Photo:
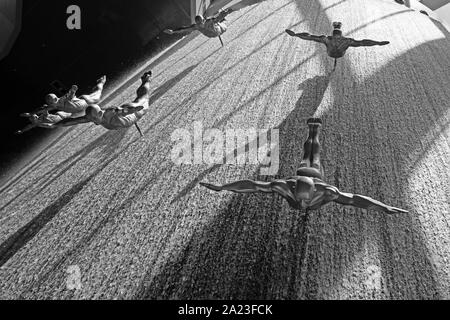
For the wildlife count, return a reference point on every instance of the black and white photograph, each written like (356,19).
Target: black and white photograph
(243,151)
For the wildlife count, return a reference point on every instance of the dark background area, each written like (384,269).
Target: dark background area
(48,57)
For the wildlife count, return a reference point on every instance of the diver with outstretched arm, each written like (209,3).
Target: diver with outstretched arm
(307,190)
(43,119)
(210,27)
(336,43)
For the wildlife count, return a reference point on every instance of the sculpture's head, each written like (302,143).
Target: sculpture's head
(94,113)
(337,28)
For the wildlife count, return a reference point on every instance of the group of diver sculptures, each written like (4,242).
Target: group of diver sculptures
(306,190)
